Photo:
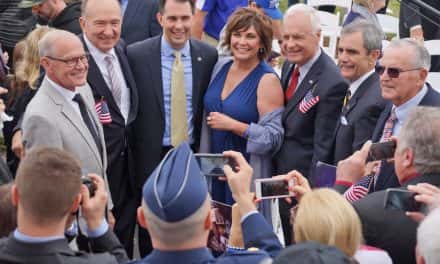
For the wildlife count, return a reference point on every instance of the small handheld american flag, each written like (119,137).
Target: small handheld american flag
(359,190)
(308,102)
(103,112)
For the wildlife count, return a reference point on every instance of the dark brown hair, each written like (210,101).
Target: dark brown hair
(48,181)
(163,2)
(244,18)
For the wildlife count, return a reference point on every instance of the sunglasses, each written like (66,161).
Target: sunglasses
(392,72)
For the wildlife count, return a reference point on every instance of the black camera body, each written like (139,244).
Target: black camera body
(87,181)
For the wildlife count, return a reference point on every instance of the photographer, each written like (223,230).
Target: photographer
(416,161)
(176,211)
(47,191)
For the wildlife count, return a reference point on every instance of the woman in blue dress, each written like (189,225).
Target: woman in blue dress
(243,89)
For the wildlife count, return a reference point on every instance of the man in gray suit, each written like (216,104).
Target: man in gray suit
(47,193)
(62,113)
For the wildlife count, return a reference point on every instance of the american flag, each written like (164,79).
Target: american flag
(308,102)
(359,190)
(103,112)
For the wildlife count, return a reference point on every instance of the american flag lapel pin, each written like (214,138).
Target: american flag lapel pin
(199,58)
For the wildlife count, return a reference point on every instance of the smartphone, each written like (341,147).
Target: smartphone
(212,164)
(273,188)
(382,151)
(403,200)
(325,175)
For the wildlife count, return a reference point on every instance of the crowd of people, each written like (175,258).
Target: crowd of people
(105,104)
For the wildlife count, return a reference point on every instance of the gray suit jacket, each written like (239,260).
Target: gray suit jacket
(51,121)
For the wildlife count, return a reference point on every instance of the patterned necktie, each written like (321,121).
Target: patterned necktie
(364,186)
(179,126)
(115,82)
(347,98)
(293,83)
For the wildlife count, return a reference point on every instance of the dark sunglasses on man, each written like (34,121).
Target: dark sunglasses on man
(391,71)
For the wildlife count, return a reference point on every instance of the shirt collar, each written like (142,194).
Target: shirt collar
(66,93)
(355,85)
(96,53)
(402,110)
(31,239)
(168,51)
(304,69)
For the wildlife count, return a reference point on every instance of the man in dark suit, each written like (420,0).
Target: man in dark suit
(116,101)
(314,90)
(359,48)
(46,203)
(405,91)
(415,161)
(140,21)
(417,22)
(172,73)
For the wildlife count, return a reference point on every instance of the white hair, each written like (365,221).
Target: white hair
(176,233)
(428,238)
(308,11)
(47,44)
(420,55)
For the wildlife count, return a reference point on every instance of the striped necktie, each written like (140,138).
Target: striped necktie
(115,82)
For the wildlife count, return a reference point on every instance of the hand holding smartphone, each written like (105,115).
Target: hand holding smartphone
(401,199)
(382,151)
(273,188)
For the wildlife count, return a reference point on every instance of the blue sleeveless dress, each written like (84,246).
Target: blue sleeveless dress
(241,104)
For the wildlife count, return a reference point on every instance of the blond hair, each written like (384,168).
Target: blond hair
(325,216)
(28,69)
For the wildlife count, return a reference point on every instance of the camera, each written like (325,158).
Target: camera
(87,181)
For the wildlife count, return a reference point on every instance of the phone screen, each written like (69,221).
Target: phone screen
(274,188)
(211,164)
(381,151)
(403,200)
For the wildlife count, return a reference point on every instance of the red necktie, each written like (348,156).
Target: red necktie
(293,83)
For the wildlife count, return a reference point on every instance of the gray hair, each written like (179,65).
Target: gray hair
(421,133)
(428,238)
(371,35)
(48,43)
(308,11)
(421,57)
(174,234)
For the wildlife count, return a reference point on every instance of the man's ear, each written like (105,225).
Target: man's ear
(141,218)
(409,157)
(76,203)
(82,23)
(15,197)
(159,18)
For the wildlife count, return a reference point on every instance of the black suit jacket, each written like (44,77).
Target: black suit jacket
(140,22)
(120,159)
(145,61)
(308,137)
(107,247)
(387,177)
(361,115)
(390,230)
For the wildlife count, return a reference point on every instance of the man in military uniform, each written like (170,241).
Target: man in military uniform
(176,211)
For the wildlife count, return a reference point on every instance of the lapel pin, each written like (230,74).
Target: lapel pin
(199,58)
(310,81)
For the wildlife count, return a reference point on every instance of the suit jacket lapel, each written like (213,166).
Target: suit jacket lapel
(71,115)
(130,82)
(308,82)
(96,80)
(154,62)
(197,64)
(359,93)
(286,72)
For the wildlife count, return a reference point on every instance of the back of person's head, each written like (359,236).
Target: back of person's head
(325,216)
(176,204)
(48,181)
(421,133)
(8,213)
(428,239)
(28,69)
(312,253)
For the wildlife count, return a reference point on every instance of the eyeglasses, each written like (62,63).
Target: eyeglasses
(392,72)
(72,62)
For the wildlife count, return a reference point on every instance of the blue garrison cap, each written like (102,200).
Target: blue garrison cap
(176,188)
